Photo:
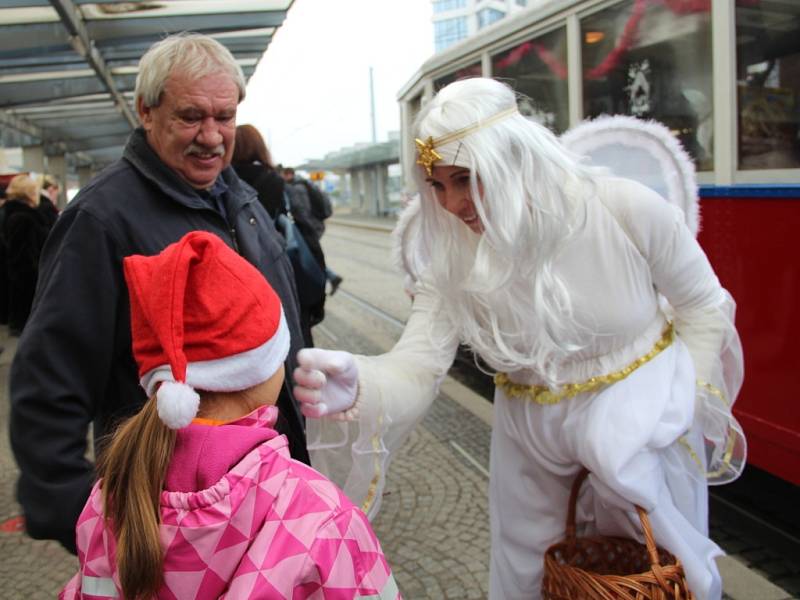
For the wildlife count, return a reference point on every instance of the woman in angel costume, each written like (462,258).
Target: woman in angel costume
(612,340)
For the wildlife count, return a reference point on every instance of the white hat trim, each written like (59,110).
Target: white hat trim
(231,373)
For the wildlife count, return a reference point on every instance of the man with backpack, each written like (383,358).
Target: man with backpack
(310,205)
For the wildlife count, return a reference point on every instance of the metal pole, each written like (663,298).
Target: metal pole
(372,106)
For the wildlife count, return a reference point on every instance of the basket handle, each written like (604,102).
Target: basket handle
(649,540)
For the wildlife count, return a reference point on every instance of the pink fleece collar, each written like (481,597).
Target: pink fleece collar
(205,453)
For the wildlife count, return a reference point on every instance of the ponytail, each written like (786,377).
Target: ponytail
(133,468)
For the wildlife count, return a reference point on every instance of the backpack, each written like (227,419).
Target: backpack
(321,207)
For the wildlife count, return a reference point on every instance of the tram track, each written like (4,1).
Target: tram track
(755,520)
(373,310)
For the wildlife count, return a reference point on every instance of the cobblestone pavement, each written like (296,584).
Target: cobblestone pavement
(30,569)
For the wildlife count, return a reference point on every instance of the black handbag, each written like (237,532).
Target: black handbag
(309,277)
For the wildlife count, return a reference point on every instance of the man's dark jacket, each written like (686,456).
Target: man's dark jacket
(74,364)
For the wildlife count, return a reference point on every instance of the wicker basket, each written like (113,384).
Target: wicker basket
(610,568)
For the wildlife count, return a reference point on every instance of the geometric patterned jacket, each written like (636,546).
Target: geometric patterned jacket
(240,519)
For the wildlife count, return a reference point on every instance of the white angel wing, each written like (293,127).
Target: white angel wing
(644,151)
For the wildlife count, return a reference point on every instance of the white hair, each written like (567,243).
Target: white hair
(192,55)
(499,289)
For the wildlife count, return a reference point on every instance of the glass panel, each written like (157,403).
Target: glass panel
(768,83)
(537,69)
(487,16)
(652,59)
(473,70)
(448,31)
(445,5)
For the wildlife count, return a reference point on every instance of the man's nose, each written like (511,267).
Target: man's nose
(209,134)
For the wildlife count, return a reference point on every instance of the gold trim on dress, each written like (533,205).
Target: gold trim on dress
(372,491)
(725,460)
(543,395)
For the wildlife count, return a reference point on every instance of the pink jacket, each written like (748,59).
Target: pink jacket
(241,519)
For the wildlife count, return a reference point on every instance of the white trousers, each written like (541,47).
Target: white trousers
(626,435)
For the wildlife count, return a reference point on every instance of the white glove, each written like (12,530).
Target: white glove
(326,381)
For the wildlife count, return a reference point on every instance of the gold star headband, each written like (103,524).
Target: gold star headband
(426,153)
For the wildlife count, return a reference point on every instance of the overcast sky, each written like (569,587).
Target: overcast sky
(310,92)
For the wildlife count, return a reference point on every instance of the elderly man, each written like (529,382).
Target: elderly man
(74,364)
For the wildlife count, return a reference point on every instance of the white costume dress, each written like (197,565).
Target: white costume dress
(650,438)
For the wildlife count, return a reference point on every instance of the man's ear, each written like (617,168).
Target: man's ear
(145,114)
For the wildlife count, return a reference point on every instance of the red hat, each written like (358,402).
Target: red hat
(204,318)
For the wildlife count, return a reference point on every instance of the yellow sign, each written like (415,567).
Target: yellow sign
(317,175)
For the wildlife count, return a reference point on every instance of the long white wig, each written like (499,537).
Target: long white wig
(499,288)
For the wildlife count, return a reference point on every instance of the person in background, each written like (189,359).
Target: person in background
(612,340)
(24,234)
(3,269)
(197,492)
(48,200)
(311,207)
(253,163)
(74,365)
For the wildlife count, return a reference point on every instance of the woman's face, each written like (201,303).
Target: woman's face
(52,193)
(452,189)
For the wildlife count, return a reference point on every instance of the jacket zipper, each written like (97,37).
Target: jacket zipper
(235,242)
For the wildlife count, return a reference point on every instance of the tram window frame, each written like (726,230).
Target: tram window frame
(550,109)
(472,69)
(662,58)
(767,86)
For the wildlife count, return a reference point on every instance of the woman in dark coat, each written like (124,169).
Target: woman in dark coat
(252,162)
(24,232)
(48,200)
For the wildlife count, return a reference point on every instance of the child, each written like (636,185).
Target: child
(197,496)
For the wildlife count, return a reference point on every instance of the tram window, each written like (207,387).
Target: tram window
(768,84)
(473,70)
(537,69)
(653,61)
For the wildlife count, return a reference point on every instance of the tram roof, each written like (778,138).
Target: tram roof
(68,67)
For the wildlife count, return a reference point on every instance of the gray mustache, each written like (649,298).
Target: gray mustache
(196,149)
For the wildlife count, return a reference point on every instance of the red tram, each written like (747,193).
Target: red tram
(750,234)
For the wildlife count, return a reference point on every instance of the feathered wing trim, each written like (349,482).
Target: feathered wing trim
(660,161)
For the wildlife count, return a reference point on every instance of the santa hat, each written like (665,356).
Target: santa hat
(202,318)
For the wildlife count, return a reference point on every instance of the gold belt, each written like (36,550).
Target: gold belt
(541,394)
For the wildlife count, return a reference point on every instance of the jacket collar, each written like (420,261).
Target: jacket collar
(139,153)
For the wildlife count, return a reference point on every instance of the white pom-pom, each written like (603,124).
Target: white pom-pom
(177,404)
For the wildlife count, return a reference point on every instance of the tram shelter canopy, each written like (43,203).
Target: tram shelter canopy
(68,67)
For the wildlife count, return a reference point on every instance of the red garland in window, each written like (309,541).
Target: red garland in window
(686,7)
(559,69)
(611,61)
